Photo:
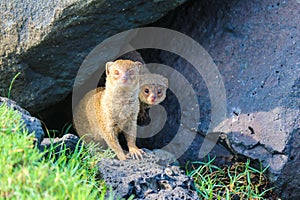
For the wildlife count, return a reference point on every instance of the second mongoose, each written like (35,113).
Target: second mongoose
(152,92)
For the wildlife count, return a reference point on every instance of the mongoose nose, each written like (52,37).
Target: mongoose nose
(153,98)
(124,80)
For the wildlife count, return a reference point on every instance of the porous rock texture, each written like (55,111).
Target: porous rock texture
(48,40)
(32,124)
(256,46)
(150,178)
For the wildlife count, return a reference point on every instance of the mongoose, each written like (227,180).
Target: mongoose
(152,92)
(104,112)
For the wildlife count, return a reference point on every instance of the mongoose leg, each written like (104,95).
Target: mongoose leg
(130,135)
(115,146)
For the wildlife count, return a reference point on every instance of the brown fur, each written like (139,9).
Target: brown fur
(152,92)
(104,112)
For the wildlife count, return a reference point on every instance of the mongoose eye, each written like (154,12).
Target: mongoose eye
(131,72)
(116,72)
(146,90)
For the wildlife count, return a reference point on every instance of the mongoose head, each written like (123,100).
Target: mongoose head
(152,94)
(123,73)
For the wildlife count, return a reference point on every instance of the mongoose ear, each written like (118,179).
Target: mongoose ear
(107,67)
(139,65)
(166,82)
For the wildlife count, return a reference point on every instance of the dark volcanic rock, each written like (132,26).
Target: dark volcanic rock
(47,41)
(149,178)
(32,124)
(255,45)
(68,142)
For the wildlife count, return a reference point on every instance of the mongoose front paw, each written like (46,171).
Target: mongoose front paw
(135,153)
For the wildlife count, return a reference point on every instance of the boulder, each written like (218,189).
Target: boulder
(32,124)
(256,48)
(154,177)
(48,40)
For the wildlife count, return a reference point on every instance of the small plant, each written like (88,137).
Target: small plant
(11,84)
(239,181)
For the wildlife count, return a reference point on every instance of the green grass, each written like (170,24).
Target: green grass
(26,173)
(11,84)
(239,181)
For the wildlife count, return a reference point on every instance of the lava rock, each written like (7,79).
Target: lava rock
(69,142)
(148,178)
(48,40)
